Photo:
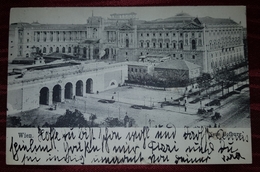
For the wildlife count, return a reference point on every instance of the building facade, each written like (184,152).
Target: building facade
(212,43)
(28,88)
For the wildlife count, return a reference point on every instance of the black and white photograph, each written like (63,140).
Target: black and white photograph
(128,67)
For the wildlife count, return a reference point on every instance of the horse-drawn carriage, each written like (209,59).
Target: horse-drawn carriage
(209,113)
(216,116)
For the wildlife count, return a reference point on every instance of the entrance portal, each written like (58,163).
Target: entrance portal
(56,93)
(68,91)
(44,96)
(89,86)
(79,88)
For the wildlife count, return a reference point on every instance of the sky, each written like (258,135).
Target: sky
(79,15)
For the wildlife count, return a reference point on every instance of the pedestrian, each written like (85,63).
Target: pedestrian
(165,99)
(150,121)
(126,120)
(185,108)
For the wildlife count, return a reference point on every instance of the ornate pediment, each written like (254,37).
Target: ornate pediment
(192,25)
(126,27)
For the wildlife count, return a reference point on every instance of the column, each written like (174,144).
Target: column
(50,102)
(91,52)
(62,95)
(73,90)
(87,52)
(41,36)
(84,88)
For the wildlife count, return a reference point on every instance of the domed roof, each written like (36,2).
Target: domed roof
(182,14)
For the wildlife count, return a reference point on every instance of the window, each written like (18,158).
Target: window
(174,45)
(160,45)
(167,45)
(153,34)
(144,70)
(193,56)
(142,44)
(126,53)
(140,70)
(181,34)
(141,34)
(180,55)
(193,44)
(167,34)
(181,45)
(173,34)
(160,34)
(27,46)
(135,70)
(27,40)
(154,44)
(147,34)
(132,69)
(147,44)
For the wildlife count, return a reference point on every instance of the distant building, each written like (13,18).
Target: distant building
(177,70)
(212,43)
(139,70)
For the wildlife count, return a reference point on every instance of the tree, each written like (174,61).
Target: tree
(225,77)
(92,118)
(204,81)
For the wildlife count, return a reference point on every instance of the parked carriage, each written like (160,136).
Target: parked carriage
(216,116)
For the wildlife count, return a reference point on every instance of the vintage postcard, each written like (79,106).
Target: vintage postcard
(128,85)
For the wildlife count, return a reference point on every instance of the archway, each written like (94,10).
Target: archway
(56,97)
(68,91)
(44,96)
(57,49)
(79,88)
(89,86)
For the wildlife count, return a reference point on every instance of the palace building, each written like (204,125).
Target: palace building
(211,43)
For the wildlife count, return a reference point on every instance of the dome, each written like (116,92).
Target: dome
(182,14)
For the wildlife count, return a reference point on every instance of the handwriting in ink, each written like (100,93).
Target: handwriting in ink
(51,136)
(30,159)
(157,159)
(119,160)
(67,158)
(166,134)
(109,136)
(142,135)
(16,147)
(191,160)
(153,145)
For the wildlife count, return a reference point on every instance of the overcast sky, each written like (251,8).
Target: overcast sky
(80,15)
